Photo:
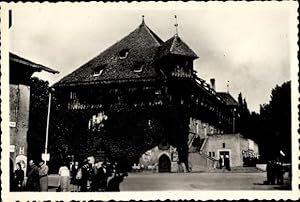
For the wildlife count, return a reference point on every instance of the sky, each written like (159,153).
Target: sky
(248,45)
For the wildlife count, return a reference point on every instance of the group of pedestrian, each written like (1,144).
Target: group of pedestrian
(275,172)
(224,161)
(90,176)
(37,177)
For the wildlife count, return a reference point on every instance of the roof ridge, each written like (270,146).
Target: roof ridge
(158,40)
(172,46)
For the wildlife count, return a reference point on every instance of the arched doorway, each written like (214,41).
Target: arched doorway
(164,164)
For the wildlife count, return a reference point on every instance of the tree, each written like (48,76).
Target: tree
(276,122)
(271,128)
(57,144)
(244,116)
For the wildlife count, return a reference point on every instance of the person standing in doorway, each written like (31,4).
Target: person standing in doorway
(220,162)
(227,162)
(43,173)
(33,180)
(64,180)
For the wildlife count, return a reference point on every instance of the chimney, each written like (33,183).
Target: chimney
(213,83)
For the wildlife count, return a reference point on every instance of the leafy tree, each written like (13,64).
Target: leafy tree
(276,119)
(244,116)
(271,128)
(57,144)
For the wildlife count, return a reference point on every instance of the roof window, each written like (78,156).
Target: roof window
(123,53)
(138,68)
(98,70)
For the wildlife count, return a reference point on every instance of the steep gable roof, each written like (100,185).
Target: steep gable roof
(27,63)
(229,100)
(176,46)
(141,46)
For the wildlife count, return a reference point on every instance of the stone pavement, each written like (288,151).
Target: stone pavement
(192,181)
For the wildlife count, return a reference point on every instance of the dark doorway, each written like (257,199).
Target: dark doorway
(164,164)
(224,153)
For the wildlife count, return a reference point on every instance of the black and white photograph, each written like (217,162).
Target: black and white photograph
(149,100)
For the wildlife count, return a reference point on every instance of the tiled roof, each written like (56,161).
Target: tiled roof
(176,46)
(37,67)
(229,100)
(141,45)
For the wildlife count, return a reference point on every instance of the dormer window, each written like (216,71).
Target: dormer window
(98,70)
(123,53)
(138,68)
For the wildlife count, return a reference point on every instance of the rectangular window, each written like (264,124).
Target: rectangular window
(209,153)
(213,154)
(72,95)
(223,144)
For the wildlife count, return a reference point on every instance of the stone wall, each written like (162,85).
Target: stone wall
(235,144)
(19,120)
(228,143)
(150,159)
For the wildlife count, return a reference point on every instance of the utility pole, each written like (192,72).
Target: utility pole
(47,128)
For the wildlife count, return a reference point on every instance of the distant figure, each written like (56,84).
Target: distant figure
(75,180)
(85,176)
(18,178)
(227,162)
(102,175)
(268,169)
(272,172)
(95,177)
(221,162)
(43,173)
(279,172)
(33,180)
(64,174)
(115,181)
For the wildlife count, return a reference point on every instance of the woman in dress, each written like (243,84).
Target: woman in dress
(18,178)
(64,180)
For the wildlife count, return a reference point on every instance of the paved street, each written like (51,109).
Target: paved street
(192,181)
(198,181)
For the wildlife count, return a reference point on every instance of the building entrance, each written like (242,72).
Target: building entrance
(224,155)
(164,164)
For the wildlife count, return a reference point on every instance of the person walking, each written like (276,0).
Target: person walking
(18,178)
(64,180)
(33,180)
(75,178)
(43,174)
(84,176)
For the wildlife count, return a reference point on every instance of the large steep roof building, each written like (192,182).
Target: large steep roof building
(143,73)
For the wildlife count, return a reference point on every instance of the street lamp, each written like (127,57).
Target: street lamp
(46,156)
